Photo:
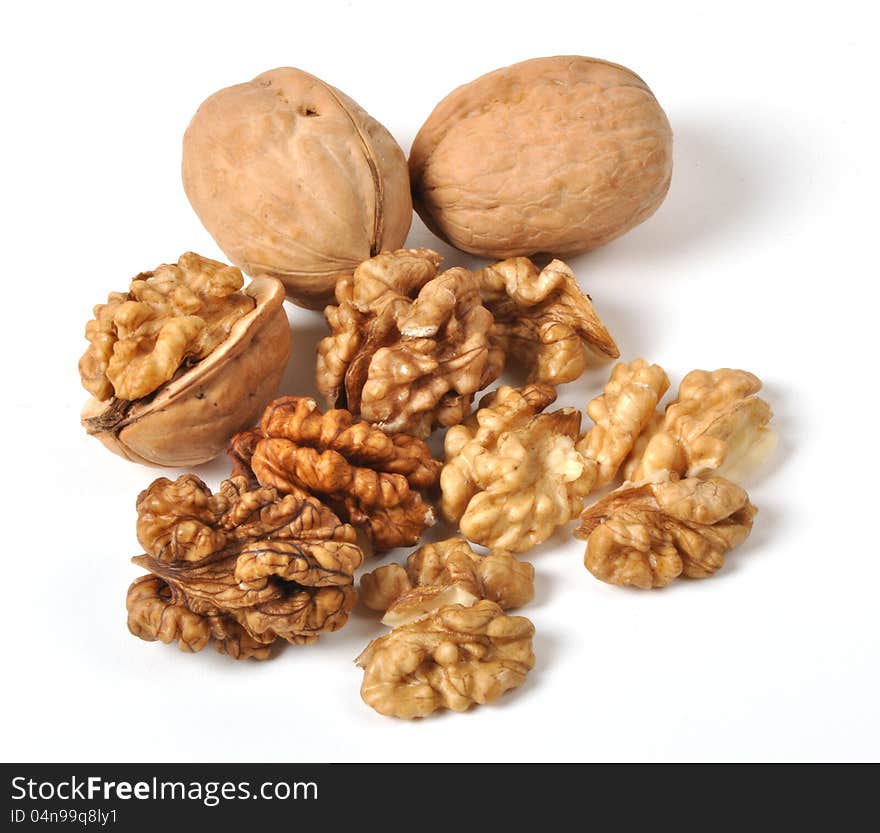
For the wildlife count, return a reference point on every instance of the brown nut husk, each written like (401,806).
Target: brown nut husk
(443,573)
(371,478)
(512,474)
(242,567)
(556,155)
(144,343)
(646,535)
(409,347)
(717,424)
(621,413)
(543,319)
(453,659)
(295,181)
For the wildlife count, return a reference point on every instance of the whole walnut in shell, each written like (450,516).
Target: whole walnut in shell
(554,155)
(183,360)
(296,181)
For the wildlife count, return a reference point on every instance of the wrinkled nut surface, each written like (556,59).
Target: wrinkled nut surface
(444,573)
(452,659)
(294,180)
(242,567)
(512,474)
(182,361)
(556,155)
(621,413)
(717,424)
(543,319)
(409,347)
(650,534)
(371,478)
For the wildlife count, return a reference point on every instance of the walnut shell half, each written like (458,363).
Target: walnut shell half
(556,155)
(296,181)
(189,419)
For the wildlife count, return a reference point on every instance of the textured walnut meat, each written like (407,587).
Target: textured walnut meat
(543,319)
(512,474)
(717,424)
(172,316)
(241,567)
(452,659)
(621,413)
(447,572)
(182,361)
(409,347)
(371,478)
(648,535)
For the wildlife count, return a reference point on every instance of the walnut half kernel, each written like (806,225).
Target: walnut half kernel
(454,658)
(646,535)
(451,645)
(371,478)
(242,567)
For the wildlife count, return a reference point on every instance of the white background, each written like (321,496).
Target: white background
(764,256)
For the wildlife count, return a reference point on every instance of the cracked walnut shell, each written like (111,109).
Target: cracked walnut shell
(646,535)
(512,474)
(621,413)
(409,347)
(452,659)
(543,319)
(444,573)
(182,361)
(242,567)
(558,154)
(371,478)
(295,181)
(717,424)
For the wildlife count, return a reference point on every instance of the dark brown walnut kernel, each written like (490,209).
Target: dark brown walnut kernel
(241,567)
(371,478)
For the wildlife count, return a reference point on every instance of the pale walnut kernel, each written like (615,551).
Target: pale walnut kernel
(169,318)
(447,572)
(512,475)
(717,424)
(457,657)
(543,319)
(621,413)
(650,534)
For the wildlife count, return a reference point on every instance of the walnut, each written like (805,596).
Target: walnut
(452,659)
(715,425)
(543,319)
(647,535)
(242,567)
(447,572)
(295,181)
(512,474)
(558,154)
(408,348)
(621,413)
(369,477)
(182,361)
